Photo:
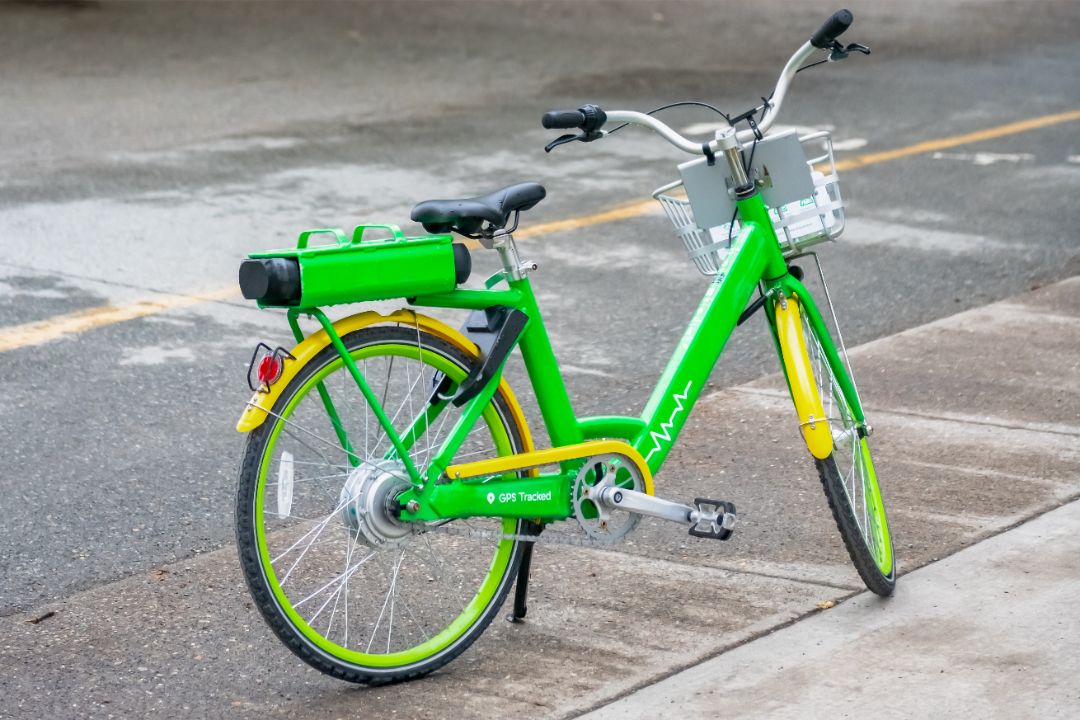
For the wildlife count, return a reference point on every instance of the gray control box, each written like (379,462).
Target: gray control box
(780,169)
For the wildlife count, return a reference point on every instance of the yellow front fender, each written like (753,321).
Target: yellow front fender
(256,412)
(800,376)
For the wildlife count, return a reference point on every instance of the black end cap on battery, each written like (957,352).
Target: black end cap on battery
(273,281)
(462,263)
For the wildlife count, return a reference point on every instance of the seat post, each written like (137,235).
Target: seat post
(502,241)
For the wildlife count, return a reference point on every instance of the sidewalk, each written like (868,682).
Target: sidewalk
(990,632)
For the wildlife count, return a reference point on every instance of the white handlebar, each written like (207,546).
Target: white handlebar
(661,129)
(695,148)
(786,76)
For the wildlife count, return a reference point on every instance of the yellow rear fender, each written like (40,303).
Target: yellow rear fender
(800,375)
(256,412)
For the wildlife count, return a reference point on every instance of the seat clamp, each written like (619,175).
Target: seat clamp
(503,243)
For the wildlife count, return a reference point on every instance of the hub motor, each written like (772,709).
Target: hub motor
(368,502)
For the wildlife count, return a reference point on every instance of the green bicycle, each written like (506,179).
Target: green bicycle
(390,493)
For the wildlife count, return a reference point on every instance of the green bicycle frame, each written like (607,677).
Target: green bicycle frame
(754,262)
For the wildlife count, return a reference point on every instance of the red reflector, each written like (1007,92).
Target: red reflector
(266,367)
(269,369)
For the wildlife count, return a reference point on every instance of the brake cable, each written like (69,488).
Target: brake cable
(681,103)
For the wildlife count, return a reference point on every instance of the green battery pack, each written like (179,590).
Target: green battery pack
(352,269)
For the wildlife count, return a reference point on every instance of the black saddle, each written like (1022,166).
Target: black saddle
(467,216)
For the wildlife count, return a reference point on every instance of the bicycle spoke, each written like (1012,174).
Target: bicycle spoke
(348,559)
(320,543)
(433,561)
(412,615)
(423,384)
(346,468)
(412,408)
(367,417)
(287,430)
(389,369)
(393,601)
(297,481)
(382,612)
(333,613)
(318,531)
(397,413)
(348,573)
(290,424)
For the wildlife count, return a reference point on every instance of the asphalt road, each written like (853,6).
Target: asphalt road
(147,148)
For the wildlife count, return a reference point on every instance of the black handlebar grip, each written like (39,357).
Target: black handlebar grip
(563,119)
(833,28)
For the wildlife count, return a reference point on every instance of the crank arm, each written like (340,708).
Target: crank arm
(706,518)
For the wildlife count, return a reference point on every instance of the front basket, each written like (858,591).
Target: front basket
(798,225)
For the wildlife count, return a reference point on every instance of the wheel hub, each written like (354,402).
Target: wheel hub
(368,502)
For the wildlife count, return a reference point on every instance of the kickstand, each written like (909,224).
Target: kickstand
(521,587)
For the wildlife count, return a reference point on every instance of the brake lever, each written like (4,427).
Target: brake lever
(561,140)
(839,52)
(582,136)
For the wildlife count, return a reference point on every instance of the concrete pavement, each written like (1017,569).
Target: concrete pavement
(987,633)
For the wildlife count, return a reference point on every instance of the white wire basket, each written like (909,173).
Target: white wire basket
(798,225)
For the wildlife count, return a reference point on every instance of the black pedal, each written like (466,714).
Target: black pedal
(718,522)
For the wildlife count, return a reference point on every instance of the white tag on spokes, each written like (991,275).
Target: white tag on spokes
(285,484)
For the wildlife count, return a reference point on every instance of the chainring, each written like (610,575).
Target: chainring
(602,524)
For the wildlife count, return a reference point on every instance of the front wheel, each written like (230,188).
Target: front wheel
(339,578)
(849,478)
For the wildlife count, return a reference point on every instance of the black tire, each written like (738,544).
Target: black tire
(875,580)
(864,499)
(247,537)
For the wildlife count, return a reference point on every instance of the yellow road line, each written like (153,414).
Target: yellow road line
(950,142)
(620,212)
(43,331)
(634,209)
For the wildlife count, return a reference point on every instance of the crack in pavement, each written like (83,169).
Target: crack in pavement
(764,392)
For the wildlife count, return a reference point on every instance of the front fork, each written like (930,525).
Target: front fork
(800,377)
(786,302)
(790,303)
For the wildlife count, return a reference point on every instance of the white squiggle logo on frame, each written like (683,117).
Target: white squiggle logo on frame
(665,428)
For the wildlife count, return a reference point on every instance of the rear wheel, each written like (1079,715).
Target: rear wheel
(850,480)
(342,582)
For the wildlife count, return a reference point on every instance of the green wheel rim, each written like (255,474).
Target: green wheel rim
(878,540)
(859,482)
(500,562)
